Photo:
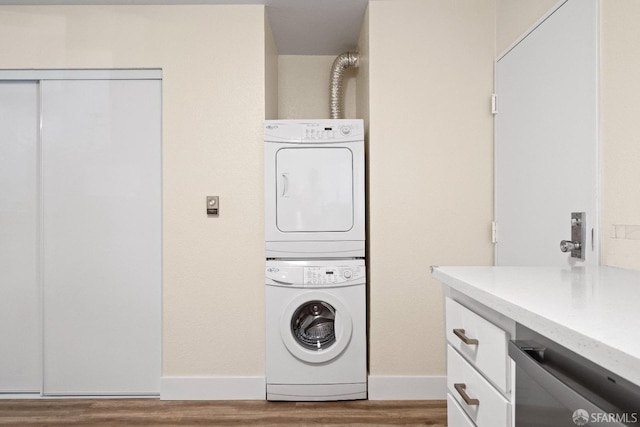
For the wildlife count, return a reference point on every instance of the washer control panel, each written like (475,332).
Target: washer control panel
(332,275)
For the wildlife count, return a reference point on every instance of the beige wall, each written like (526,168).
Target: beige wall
(362,86)
(213,108)
(430,152)
(402,247)
(515,18)
(431,121)
(271,73)
(430,168)
(303,82)
(620,131)
(362,109)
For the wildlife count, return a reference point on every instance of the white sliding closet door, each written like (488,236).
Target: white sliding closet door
(20,366)
(101,255)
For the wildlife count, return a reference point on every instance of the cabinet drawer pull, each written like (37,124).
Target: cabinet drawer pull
(461,389)
(465,339)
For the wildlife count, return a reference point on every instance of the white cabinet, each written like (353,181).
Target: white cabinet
(480,400)
(95,236)
(456,417)
(488,350)
(478,368)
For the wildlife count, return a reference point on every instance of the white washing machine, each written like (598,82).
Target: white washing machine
(316,345)
(314,189)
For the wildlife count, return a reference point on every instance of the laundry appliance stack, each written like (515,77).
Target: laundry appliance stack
(315,273)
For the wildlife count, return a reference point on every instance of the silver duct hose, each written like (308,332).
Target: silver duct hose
(341,63)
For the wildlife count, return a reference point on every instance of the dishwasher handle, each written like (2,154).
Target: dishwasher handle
(530,358)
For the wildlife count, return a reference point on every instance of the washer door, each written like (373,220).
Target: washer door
(316,327)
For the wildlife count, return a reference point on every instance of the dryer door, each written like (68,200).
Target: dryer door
(316,327)
(315,189)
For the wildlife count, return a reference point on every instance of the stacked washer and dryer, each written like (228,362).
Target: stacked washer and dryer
(316,346)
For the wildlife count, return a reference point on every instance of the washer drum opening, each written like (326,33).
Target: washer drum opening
(313,325)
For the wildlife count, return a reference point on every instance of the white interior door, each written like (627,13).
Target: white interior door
(101,236)
(547,139)
(315,189)
(19,288)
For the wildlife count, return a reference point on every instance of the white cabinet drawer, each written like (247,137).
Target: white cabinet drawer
(455,414)
(487,350)
(491,408)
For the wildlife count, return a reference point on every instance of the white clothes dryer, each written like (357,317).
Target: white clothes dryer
(314,189)
(316,346)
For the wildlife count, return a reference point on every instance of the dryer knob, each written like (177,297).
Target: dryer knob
(345,130)
(347,274)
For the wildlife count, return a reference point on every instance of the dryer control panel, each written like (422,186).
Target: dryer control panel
(331,275)
(314,131)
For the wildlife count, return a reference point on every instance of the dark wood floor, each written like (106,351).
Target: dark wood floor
(149,412)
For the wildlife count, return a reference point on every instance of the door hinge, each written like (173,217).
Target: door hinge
(494,232)
(494,103)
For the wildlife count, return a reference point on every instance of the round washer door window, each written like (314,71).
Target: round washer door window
(315,327)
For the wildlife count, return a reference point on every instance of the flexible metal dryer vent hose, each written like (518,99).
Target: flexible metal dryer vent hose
(341,63)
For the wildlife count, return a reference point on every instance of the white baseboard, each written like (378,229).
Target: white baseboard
(34,395)
(213,388)
(407,388)
(254,388)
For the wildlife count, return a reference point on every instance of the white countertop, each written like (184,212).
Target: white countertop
(593,311)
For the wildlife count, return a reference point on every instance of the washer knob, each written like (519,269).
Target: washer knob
(347,274)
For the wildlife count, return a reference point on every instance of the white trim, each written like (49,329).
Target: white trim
(596,238)
(28,395)
(213,388)
(82,74)
(407,387)
(38,396)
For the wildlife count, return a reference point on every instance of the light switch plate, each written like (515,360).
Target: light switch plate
(213,205)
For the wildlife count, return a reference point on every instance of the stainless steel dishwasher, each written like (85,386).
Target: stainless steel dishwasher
(556,387)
